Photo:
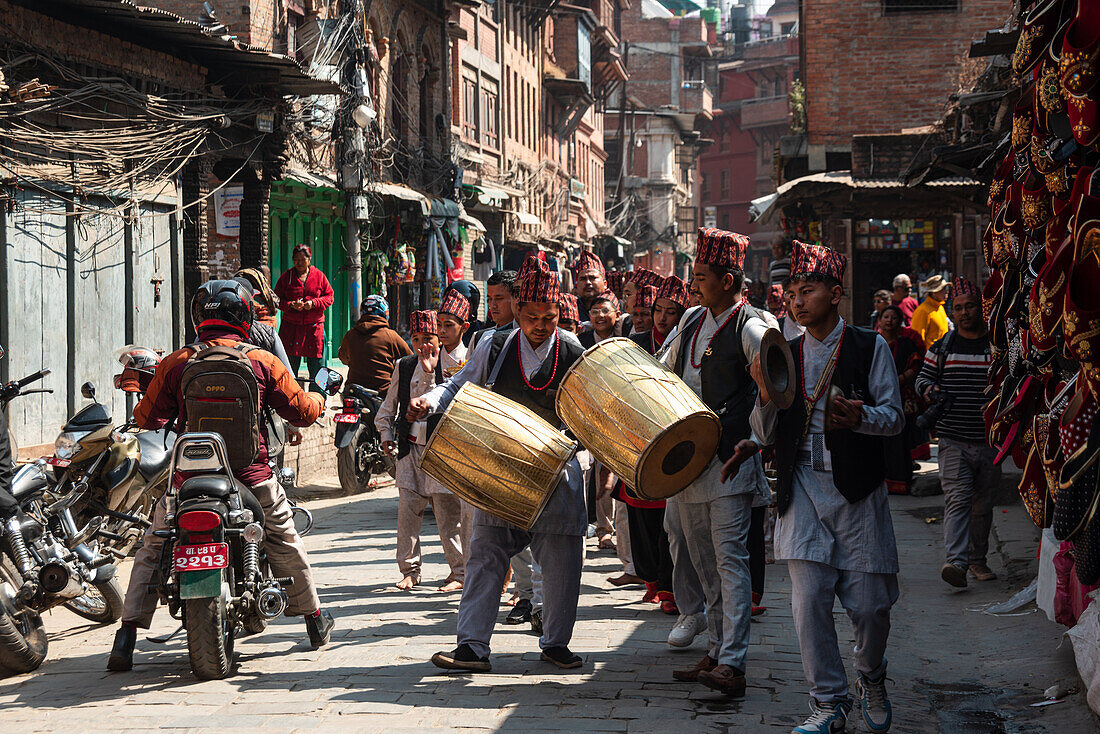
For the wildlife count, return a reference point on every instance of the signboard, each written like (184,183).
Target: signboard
(227,210)
(710,216)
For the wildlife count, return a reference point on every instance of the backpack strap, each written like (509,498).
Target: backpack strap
(502,341)
(941,356)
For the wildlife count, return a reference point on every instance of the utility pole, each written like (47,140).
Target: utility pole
(351,150)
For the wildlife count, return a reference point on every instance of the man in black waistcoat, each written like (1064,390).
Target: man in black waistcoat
(712,351)
(834,528)
(525,365)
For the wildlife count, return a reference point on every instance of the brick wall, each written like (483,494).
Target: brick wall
(867,72)
(315,457)
(883,156)
(253,21)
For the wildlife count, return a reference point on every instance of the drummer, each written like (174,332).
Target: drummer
(526,365)
(413,376)
(712,352)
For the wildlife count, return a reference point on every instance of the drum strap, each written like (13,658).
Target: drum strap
(499,363)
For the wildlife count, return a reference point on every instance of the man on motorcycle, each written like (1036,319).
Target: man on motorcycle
(222,312)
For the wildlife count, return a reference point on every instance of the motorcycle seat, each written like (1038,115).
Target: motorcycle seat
(363,394)
(211,486)
(154,456)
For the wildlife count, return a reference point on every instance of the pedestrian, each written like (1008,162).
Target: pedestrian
(267,303)
(634,281)
(472,295)
(834,527)
(569,318)
(903,298)
(777,304)
(880,300)
(604,312)
(499,288)
(416,375)
(779,269)
(454,323)
(529,364)
(907,349)
(952,381)
(304,295)
(591,281)
(371,348)
(719,341)
(930,318)
(642,311)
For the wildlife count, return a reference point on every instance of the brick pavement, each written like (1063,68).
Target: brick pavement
(953,669)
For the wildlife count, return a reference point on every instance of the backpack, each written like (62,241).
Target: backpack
(222,395)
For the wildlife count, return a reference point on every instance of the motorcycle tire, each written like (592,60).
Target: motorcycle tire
(106,609)
(23,640)
(209,637)
(354,477)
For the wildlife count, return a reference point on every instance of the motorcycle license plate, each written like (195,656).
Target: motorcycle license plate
(346,418)
(54,461)
(207,557)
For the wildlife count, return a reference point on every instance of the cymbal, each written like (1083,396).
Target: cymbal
(777,366)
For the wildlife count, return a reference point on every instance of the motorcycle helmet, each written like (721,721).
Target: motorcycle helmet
(223,303)
(138,366)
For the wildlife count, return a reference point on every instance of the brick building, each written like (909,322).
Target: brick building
(653,130)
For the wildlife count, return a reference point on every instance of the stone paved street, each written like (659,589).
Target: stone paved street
(953,669)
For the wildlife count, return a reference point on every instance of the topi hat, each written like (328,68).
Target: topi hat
(645,297)
(455,304)
(673,289)
(423,322)
(721,248)
(589,261)
(817,260)
(568,308)
(536,284)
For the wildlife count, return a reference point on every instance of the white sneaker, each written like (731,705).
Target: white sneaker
(826,718)
(874,705)
(687,626)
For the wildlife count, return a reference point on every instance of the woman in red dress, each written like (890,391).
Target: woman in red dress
(304,293)
(907,347)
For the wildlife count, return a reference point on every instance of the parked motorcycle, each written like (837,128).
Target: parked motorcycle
(48,561)
(214,572)
(359,453)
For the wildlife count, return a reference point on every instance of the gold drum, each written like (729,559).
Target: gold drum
(497,455)
(638,418)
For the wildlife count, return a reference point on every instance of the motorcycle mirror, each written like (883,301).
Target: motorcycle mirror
(88,390)
(328,380)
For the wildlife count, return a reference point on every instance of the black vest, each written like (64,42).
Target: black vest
(405,368)
(645,341)
(728,389)
(859,460)
(510,383)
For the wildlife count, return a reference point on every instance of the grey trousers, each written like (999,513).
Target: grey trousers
(867,597)
(559,556)
(686,586)
(969,479)
(527,576)
(717,542)
(622,538)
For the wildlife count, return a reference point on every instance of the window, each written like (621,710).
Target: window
(489,131)
(725,186)
(469,109)
(705,187)
(726,221)
(584,55)
(894,7)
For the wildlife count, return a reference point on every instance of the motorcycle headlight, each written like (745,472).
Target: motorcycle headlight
(67,445)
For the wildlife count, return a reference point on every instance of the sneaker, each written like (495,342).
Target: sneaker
(685,629)
(320,629)
(982,572)
(954,575)
(827,718)
(520,613)
(562,657)
(873,703)
(461,658)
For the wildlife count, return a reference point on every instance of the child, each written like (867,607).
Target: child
(414,376)
(834,526)
(569,313)
(642,313)
(454,320)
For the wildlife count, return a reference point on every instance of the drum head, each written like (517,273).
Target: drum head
(677,456)
(777,367)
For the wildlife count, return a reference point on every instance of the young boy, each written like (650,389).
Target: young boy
(603,313)
(642,313)
(454,319)
(570,315)
(834,526)
(414,376)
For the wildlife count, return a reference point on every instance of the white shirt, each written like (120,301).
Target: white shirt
(453,360)
(386,418)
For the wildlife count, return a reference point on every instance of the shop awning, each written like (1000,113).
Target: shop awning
(471,222)
(527,219)
(400,191)
(313,180)
(444,207)
(489,195)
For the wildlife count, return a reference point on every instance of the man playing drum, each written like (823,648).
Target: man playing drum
(716,345)
(525,365)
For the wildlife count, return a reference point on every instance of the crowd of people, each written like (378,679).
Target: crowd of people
(813,477)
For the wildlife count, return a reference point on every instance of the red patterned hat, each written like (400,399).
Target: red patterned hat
(568,310)
(423,322)
(819,259)
(615,280)
(645,297)
(610,298)
(641,277)
(673,289)
(963,287)
(588,261)
(303,248)
(721,248)
(455,304)
(536,284)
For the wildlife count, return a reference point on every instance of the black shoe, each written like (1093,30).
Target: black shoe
(122,653)
(520,613)
(562,657)
(536,622)
(461,658)
(320,629)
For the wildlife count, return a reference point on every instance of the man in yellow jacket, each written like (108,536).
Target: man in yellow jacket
(930,318)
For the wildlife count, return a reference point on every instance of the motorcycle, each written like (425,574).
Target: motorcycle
(48,561)
(359,452)
(214,572)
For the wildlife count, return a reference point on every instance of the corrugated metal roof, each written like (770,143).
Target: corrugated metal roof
(170,33)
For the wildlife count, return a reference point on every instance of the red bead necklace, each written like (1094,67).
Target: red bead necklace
(699,328)
(523,372)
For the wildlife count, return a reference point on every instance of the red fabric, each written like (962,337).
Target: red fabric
(907,306)
(456,305)
(641,277)
(621,493)
(589,261)
(1070,597)
(303,332)
(568,308)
